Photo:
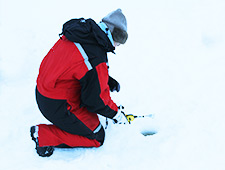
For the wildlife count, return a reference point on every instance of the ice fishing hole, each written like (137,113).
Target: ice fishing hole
(148,132)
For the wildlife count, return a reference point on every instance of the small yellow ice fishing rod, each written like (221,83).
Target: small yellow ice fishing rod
(131,117)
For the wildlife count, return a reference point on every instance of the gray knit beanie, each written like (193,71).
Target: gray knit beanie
(117,25)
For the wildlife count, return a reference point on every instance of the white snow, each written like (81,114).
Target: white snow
(172,65)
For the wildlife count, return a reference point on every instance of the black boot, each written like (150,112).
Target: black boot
(45,151)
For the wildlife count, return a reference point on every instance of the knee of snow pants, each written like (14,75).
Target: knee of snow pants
(100,136)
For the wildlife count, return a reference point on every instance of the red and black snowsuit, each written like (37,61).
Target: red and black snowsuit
(72,87)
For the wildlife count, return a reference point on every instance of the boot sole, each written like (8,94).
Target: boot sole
(32,131)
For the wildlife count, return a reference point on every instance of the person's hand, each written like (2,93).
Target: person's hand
(120,117)
(113,85)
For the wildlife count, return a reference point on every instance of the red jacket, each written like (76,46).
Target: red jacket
(70,71)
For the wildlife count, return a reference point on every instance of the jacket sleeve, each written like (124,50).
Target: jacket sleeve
(95,95)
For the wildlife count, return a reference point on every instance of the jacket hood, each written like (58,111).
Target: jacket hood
(86,31)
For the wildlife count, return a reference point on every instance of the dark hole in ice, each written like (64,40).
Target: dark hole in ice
(148,133)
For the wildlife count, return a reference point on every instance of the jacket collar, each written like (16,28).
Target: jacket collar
(104,28)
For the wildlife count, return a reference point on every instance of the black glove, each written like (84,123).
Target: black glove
(113,85)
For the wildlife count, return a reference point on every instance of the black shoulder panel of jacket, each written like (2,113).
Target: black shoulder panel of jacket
(95,53)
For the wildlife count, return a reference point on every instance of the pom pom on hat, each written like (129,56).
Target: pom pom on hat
(117,25)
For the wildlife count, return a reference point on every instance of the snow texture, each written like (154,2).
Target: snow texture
(172,65)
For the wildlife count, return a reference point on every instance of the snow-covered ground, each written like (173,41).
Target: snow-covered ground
(173,65)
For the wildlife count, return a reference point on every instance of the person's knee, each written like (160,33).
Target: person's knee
(100,136)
